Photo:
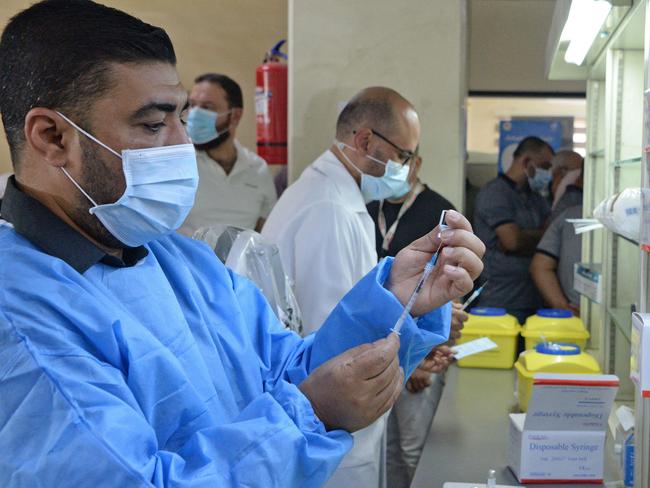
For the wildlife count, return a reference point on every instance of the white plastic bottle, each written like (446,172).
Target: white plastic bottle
(492,479)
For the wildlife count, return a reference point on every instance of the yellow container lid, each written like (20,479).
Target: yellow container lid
(550,321)
(491,321)
(556,358)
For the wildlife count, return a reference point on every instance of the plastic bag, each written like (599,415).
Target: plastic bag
(248,254)
(621,213)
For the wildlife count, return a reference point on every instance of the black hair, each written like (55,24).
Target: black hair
(374,112)
(532,144)
(56,54)
(231,87)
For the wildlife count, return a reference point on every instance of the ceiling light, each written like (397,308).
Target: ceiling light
(586,17)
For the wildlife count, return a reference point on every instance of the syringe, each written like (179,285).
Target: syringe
(425,274)
(474,296)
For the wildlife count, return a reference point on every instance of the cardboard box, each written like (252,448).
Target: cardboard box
(562,437)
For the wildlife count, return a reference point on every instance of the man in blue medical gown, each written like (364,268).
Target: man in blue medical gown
(129,356)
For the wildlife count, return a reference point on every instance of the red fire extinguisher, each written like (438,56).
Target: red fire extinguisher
(271,106)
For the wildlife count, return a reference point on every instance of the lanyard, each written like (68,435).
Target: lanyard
(381,218)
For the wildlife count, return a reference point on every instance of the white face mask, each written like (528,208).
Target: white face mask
(161,184)
(202,125)
(540,180)
(393,184)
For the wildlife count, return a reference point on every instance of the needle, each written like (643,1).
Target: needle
(474,296)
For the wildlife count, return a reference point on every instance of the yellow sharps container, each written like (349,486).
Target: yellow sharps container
(554,325)
(550,357)
(496,324)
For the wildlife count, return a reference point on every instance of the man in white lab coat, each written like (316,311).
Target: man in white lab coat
(327,238)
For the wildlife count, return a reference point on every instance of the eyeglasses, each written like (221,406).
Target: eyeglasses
(404,154)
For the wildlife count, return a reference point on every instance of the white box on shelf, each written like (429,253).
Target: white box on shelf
(587,281)
(640,352)
(562,437)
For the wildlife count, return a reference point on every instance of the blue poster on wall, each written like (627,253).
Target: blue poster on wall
(512,132)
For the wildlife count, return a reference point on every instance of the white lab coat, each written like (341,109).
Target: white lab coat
(327,243)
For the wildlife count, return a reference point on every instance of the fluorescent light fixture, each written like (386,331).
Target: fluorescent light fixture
(585,19)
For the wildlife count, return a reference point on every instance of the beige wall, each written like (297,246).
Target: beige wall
(228,36)
(417,47)
(485,113)
(508,46)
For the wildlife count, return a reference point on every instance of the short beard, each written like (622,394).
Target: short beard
(104,187)
(214,143)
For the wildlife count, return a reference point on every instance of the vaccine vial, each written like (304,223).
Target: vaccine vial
(492,479)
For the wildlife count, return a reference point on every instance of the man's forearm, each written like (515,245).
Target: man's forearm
(514,240)
(367,313)
(528,241)
(549,287)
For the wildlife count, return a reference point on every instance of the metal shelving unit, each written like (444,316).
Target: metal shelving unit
(625,77)
(620,318)
(642,405)
(617,71)
(630,162)
(614,101)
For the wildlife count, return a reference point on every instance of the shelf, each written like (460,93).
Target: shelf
(598,153)
(622,318)
(623,403)
(589,297)
(625,399)
(630,162)
(631,241)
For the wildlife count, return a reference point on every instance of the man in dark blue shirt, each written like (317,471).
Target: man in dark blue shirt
(510,216)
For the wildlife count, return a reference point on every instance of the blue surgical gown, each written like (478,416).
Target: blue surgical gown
(173,372)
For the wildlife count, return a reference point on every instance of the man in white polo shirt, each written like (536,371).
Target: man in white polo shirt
(235,185)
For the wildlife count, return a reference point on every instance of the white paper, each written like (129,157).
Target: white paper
(262,105)
(587,281)
(580,226)
(625,416)
(473,347)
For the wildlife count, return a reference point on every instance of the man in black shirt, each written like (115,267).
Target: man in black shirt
(397,223)
(413,215)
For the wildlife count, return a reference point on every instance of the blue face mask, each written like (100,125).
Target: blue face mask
(202,125)
(541,180)
(393,184)
(161,184)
